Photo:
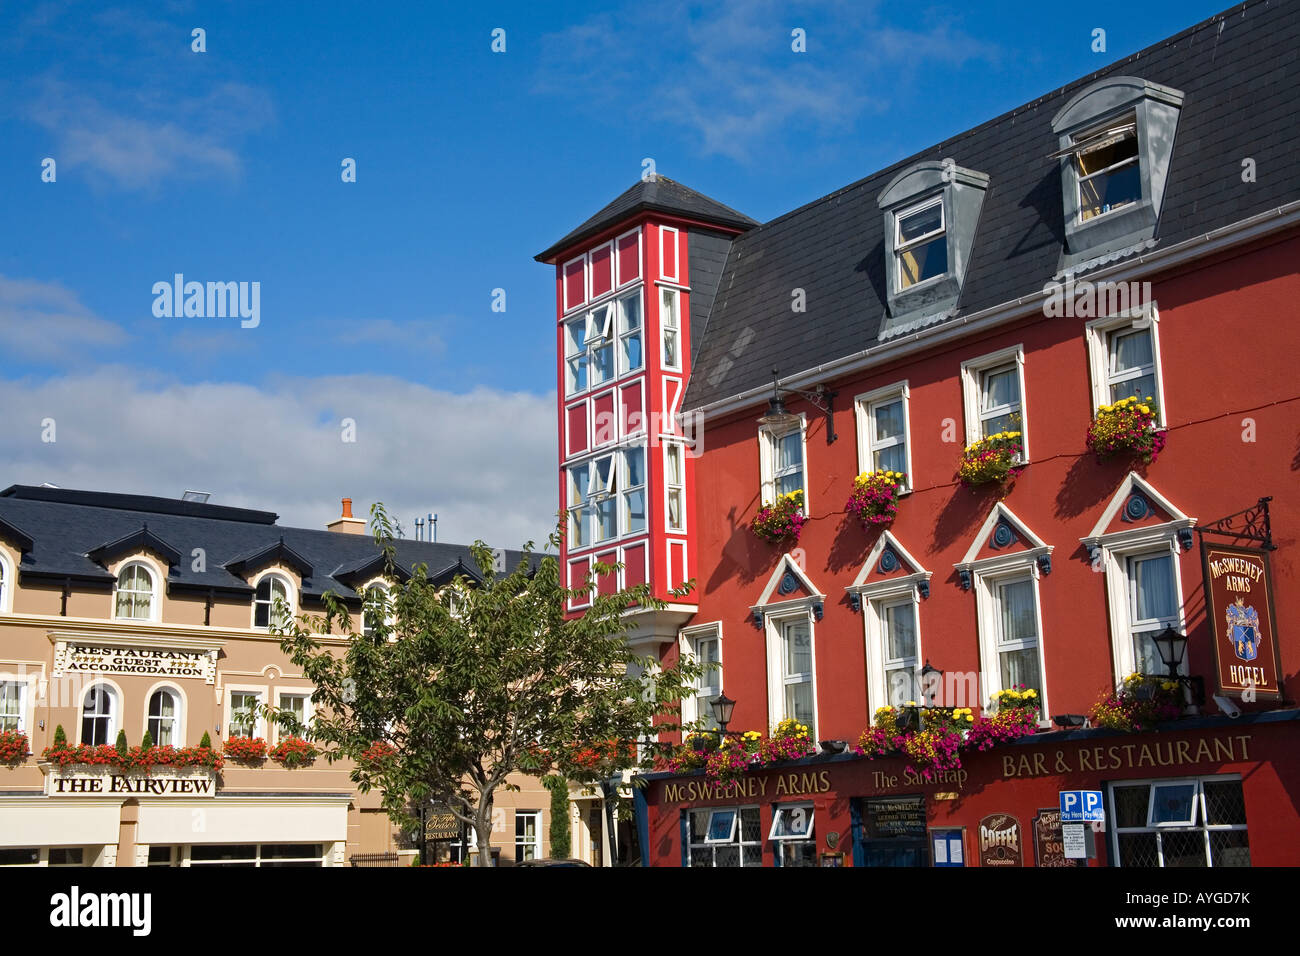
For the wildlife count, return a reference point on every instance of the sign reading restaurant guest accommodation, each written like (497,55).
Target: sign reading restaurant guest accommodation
(97,658)
(1239,608)
(82,780)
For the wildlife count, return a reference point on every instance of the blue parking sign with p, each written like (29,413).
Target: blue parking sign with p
(1082,806)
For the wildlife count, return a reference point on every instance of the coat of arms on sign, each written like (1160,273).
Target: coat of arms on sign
(1243,630)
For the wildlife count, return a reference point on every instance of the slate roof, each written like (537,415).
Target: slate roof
(1241,80)
(66,525)
(660,195)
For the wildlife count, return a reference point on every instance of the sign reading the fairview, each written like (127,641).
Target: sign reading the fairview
(86,781)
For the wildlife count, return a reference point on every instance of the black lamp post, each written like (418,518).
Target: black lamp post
(722,706)
(928,674)
(1172,646)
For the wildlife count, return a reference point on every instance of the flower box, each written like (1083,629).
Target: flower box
(875,497)
(781,520)
(13,747)
(1126,429)
(991,459)
(137,758)
(245,749)
(293,752)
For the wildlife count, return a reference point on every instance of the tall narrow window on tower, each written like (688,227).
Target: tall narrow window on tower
(668,321)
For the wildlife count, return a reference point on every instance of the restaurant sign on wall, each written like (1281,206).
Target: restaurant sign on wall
(1000,841)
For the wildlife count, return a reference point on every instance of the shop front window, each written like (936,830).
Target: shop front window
(724,836)
(1183,822)
(793,837)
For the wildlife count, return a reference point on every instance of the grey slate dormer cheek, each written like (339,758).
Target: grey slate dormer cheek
(1155,109)
(961,192)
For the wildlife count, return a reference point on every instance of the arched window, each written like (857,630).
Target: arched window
(134,597)
(270,588)
(165,717)
(4,583)
(99,715)
(377,607)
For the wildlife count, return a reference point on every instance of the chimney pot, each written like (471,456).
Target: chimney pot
(347,507)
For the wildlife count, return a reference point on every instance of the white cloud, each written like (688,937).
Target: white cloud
(742,91)
(149,135)
(45,322)
(483,461)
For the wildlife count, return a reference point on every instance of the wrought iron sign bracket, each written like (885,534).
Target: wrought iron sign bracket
(1250,524)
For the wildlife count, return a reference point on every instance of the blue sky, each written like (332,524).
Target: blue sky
(376,295)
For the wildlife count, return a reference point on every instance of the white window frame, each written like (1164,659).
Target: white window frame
(155,598)
(710,839)
(178,721)
(303,693)
(1080,145)
(612,489)
(1118,546)
(1198,801)
(626,490)
(900,248)
(23,683)
(768,438)
(864,409)
(390,615)
(572,354)
(7,584)
(697,841)
(1097,334)
(670,308)
(670,486)
(290,599)
(878,667)
(261,692)
(114,710)
(621,367)
(779,811)
(777,677)
(688,646)
(989,618)
(972,380)
(536,842)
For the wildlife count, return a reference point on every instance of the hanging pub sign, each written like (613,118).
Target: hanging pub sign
(1239,607)
(440,823)
(1000,841)
(1049,841)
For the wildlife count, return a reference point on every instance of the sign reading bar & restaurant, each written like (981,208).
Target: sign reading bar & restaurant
(1239,608)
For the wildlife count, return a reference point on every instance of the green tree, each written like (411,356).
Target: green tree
(482,678)
(60,738)
(122,747)
(146,742)
(560,834)
(205,740)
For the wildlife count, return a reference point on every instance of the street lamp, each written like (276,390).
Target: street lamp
(1172,646)
(821,399)
(722,706)
(930,674)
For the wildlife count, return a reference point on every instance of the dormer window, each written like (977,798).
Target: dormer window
(1106,164)
(270,589)
(931,211)
(921,246)
(133,598)
(1115,140)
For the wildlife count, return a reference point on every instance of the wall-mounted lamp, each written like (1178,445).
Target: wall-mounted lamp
(822,399)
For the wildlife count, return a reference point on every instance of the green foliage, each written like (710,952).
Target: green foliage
(560,843)
(60,738)
(146,742)
(486,676)
(122,748)
(205,740)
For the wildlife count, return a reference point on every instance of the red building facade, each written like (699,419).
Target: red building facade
(1103,241)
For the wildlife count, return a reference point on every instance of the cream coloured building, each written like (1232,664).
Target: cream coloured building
(135,613)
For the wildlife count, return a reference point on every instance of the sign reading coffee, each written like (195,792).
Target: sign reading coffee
(1239,608)
(999,841)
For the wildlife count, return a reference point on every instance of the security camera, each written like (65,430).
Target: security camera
(1227,706)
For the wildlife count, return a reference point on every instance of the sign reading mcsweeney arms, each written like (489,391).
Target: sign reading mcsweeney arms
(94,782)
(73,657)
(1239,607)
